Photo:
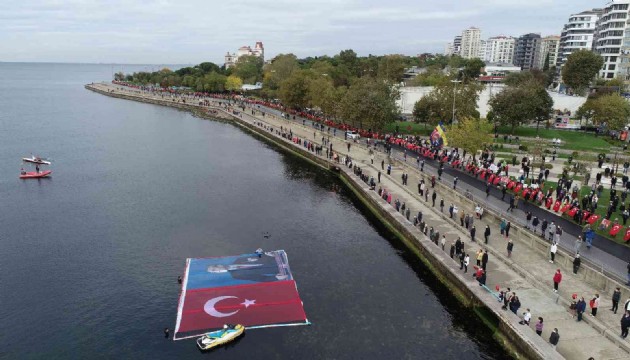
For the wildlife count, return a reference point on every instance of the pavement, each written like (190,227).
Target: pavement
(527,272)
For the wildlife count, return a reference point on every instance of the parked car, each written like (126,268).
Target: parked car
(352,135)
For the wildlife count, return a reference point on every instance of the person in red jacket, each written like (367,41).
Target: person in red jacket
(556,280)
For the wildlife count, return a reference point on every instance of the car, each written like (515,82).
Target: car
(352,135)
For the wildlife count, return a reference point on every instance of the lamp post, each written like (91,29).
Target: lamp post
(454,93)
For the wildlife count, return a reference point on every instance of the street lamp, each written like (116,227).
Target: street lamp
(454,92)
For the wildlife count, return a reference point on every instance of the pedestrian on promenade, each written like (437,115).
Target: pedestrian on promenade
(508,226)
(616,297)
(379,177)
(535,223)
(389,169)
(539,326)
(443,242)
(433,197)
(527,316)
(462,256)
(503,192)
(442,205)
(455,183)
(473,231)
(502,226)
(450,210)
(452,251)
(510,247)
(426,195)
(577,261)
(471,220)
(552,252)
(554,338)
(486,234)
(458,246)
(422,166)
(594,303)
(515,304)
(552,230)
(578,245)
(625,324)
(556,236)
(484,260)
(461,218)
(580,308)
(487,189)
(466,262)
(512,203)
(528,217)
(382,164)
(455,211)
(557,278)
(543,228)
(478,256)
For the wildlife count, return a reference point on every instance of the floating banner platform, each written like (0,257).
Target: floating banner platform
(250,289)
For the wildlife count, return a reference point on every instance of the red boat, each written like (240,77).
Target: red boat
(35,175)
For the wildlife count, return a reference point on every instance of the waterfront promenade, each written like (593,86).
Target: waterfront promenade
(527,272)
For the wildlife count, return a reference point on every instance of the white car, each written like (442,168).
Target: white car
(352,135)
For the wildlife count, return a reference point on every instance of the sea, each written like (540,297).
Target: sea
(89,258)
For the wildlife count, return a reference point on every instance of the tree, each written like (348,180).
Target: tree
(517,104)
(370,103)
(249,69)
(438,104)
(294,91)
(431,77)
(348,59)
(391,68)
(470,134)
(233,83)
(472,69)
(280,69)
(580,69)
(611,110)
(519,78)
(215,82)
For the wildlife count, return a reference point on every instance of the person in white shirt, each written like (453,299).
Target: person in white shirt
(527,316)
(553,250)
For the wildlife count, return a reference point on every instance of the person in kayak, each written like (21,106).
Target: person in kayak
(22,172)
(37,168)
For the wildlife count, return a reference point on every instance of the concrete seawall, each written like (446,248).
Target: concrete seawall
(512,336)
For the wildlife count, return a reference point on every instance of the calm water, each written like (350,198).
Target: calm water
(89,258)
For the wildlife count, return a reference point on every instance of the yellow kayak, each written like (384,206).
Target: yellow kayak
(220,337)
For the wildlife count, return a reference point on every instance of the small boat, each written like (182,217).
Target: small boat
(35,174)
(36,160)
(220,337)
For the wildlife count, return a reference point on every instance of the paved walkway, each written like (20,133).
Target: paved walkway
(527,273)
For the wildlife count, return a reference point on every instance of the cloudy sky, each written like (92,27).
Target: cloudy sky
(192,31)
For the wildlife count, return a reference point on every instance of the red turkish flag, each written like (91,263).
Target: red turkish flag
(511,184)
(249,305)
(548,203)
(626,237)
(573,211)
(604,224)
(585,215)
(566,207)
(483,174)
(491,178)
(592,219)
(525,193)
(556,206)
(496,181)
(615,229)
(518,188)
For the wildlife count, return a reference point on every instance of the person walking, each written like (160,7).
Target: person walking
(473,231)
(478,256)
(535,223)
(510,247)
(462,256)
(625,324)
(455,183)
(557,278)
(552,251)
(527,316)
(539,326)
(442,205)
(594,305)
(508,226)
(529,220)
(543,228)
(552,230)
(486,234)
(616,297)
(433,197)
(443,242)
(576,263)
(452,250)
(502,226)
(554,338)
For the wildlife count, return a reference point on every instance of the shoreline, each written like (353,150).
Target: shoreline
(502,324)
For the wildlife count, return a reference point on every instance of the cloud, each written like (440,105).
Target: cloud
(191,31)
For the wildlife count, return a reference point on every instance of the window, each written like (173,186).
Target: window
(611,67)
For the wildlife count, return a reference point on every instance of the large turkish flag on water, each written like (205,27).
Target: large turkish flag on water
(250,305)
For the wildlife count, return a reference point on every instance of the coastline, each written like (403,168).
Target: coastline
(512,337)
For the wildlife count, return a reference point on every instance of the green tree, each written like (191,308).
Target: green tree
(472,69)
(438,104)
(280,69)
(233,83)
(470,134)
(249,69)
(370,104)
(349,60)
(517,104)
(391,68)
(215,82)
(294,91)
(611,109)
(580,69)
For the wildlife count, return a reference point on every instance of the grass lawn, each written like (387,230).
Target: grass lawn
(410,128)
(575,140)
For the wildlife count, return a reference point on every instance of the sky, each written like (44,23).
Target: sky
(194,31)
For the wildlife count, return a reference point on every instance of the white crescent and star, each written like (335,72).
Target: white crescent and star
(210,309)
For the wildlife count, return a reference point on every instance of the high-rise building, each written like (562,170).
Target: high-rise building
(577,34)
(549,46)
(527,49)
(448,49)
(457,45)
(258,50)
(482,49)
(612,40)
(471,41)
(500,49)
